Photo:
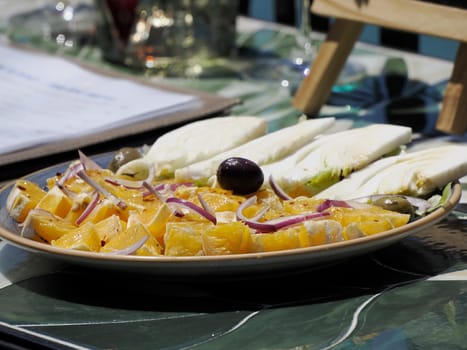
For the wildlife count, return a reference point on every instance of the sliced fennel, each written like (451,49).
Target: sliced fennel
(194,142)
(413,173)
(263,150)
(330,158)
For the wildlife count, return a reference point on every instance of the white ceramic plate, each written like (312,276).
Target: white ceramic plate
(228,265)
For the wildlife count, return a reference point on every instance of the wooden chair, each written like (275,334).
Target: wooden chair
(407,15)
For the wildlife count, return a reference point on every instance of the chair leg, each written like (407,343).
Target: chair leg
(453,116)
(327,65)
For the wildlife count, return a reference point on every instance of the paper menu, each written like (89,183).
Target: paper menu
(46,99)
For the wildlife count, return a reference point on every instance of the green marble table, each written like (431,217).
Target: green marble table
(409,295)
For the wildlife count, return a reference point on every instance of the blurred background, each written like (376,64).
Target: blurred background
(280,11)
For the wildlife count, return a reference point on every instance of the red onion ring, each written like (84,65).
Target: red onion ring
(69,173)
(287,221)
(89,208)
(277,189)
(274,224)
(158,195)
(193,207)
(153,191)
(205,205)
(115,200)
(132,184)
(87,162)
(328,203)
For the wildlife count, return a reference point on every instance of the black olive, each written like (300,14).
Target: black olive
(123,156)
(240,175)
(395,203)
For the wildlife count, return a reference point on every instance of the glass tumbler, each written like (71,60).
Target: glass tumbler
(167,37)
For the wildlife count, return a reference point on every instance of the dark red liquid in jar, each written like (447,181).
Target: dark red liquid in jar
(123,13)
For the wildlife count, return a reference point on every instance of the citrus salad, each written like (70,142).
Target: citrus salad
(93,209)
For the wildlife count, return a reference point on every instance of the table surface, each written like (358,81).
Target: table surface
(409,295)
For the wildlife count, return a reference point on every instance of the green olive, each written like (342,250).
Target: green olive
(123,156)
(395,203)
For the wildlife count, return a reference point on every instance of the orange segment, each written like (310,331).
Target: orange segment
(301,205)
(370,220)
(77,207)
(217,199)
(104,209)
(132,235)
(184,238)
(291,238)
(108,228)
(82,238)
(220,202)
(323,231)
(230,238)
(150,248)
(47,226)
(56,202)
(310,233)
(23,197)
(156,224)
(155,221)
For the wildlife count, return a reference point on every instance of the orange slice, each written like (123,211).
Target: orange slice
(104,209)
(56,202)
(229,238)
(184,238)
(310,233)
(109,228)
(301,205)
(84,238)
(45,225)
(369,221)
(291,238)
(131,236)
(23,197)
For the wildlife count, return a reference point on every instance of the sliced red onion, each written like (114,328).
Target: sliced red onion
(260,226)
(277,189)
(274,224)
(87,162)
(328,203)
(67,192)
(158,195)
(169,187)
(156,191)
(115,200)
(287,221)
(192,206)
(245,204)
(205,205)
(131,249)
(89,208)
(260,213)
(153,191)
(70,172)
(132,184)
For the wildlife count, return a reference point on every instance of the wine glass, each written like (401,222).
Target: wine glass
(294,53)
(281,55)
